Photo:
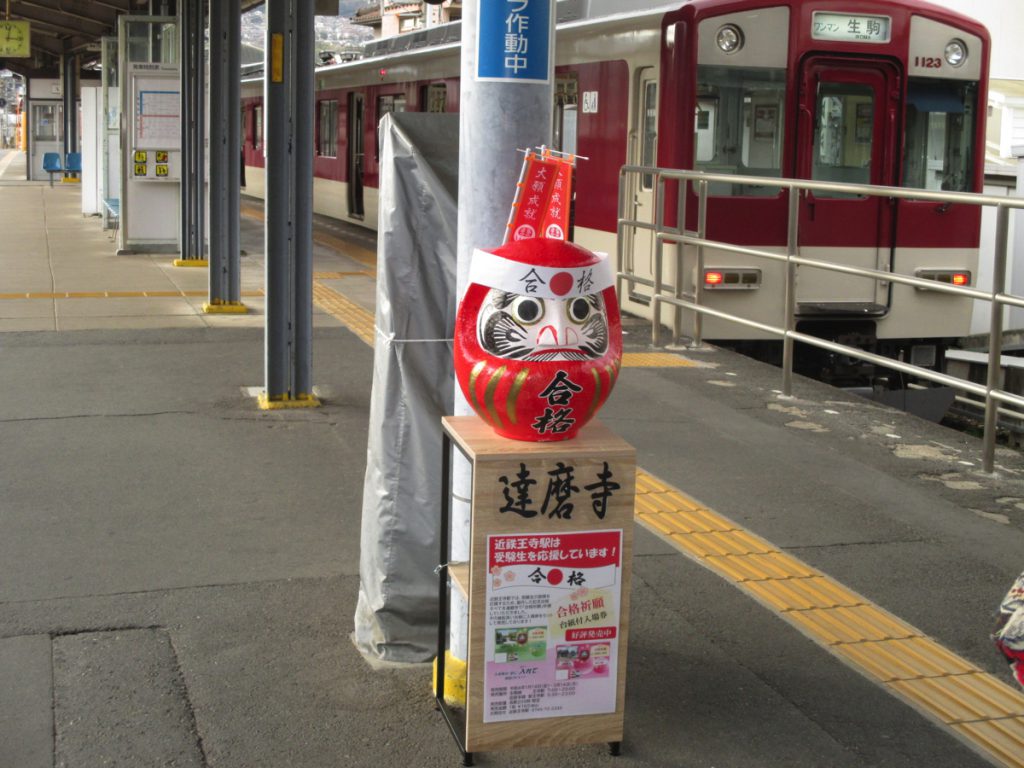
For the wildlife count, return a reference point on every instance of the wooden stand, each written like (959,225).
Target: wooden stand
(568,508)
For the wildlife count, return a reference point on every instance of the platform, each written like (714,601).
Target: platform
(814,578)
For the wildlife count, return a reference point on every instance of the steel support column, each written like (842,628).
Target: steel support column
(496,120)
(288,115)
(225,139)
(69,87)
(193,119)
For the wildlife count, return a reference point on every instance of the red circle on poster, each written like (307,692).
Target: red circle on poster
(554,577)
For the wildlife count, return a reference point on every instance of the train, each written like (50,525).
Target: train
(852,91)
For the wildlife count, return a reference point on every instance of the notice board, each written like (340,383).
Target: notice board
(156,112)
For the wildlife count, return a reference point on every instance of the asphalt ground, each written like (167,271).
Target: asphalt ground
(178,570)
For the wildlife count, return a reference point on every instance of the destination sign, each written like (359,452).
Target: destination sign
(851,27)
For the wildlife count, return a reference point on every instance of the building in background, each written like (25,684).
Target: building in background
(387,18)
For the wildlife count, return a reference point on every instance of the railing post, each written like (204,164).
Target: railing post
(659,255)
(995,344)
(677,317)
(790,294)
(620,241)
(698,288)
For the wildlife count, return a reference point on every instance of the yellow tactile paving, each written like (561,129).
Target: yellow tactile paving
(802,594)
(980,708)
(758,567)
(357,319)
(655,360)
(1001,738)
(963,698)
(340,275)
(910,659)
(723,543)
(117,294)
(851,624)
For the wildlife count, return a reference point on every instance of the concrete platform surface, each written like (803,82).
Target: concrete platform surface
(178,570)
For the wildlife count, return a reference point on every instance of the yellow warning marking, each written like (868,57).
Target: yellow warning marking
(118,295)
(340,275)
(976,706)
(278,403)
(655,360)
(357,319)
(1001,738)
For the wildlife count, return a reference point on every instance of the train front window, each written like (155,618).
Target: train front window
(739,125)
(941,117)
(843,135)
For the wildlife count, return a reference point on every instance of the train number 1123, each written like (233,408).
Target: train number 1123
(927,62)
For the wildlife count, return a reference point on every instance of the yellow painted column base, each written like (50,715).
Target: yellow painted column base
(299,401)
(454,680)
(71,180)
(219,307)
(191,263)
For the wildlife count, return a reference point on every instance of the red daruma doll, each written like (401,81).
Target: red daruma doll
(538,338)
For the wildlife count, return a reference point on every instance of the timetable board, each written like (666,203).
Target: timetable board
(156,113)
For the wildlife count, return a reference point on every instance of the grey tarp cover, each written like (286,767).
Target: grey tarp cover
(396,615)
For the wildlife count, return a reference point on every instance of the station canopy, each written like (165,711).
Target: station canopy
(59,28)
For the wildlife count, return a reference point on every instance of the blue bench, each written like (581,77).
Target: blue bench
(51,164)
(113,206)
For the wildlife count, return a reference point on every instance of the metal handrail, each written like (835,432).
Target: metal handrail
(629,175)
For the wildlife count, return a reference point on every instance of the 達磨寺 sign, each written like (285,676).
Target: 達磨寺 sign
(552,624)
(514,40)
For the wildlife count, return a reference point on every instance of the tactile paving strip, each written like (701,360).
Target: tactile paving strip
(655,360)
(976,706)
(358,320)
(117,295)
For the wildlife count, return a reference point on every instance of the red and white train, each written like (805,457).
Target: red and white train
(859,91)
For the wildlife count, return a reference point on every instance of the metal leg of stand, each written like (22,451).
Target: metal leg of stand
(614,748)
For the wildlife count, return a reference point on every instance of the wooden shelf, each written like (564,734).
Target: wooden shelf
(458,574)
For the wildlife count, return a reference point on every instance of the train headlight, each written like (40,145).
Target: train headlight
(956,52)
(729,38)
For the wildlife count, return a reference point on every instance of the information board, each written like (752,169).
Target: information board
(156,113)
(552,636)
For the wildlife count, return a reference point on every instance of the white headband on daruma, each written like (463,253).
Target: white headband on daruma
(495,271)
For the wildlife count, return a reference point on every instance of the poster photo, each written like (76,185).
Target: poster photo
(552,625)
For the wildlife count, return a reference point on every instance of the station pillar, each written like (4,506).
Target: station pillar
(225,160)
(288,112)
(506,105)
(191,17)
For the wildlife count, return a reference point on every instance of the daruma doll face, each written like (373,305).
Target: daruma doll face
(538,338)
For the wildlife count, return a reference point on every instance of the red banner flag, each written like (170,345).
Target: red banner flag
(543,198)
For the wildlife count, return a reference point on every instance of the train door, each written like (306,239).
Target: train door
(356,107)
(847,134)
(644,152)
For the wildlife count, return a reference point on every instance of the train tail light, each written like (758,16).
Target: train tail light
(732,279)
(960,277)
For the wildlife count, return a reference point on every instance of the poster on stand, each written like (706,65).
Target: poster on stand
(552,624)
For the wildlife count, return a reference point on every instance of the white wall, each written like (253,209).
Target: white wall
(1005,22)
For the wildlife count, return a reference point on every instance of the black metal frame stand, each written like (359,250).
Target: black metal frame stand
(456,722)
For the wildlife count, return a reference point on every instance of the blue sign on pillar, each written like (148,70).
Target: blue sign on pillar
(514,41)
